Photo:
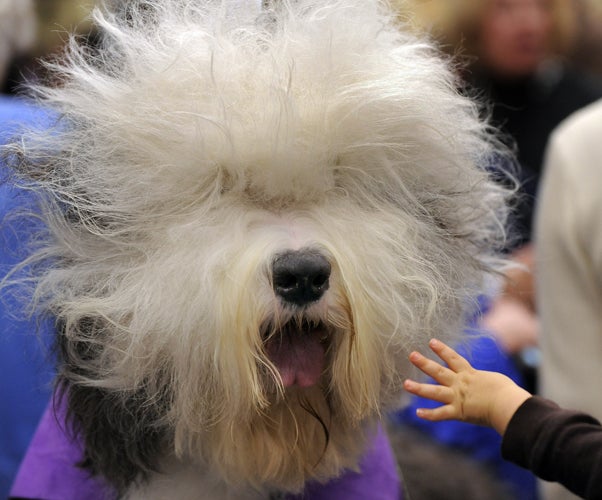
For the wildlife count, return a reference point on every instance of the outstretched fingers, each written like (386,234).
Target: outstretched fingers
(449,379)
(438,393)
(446,412)
(435,370)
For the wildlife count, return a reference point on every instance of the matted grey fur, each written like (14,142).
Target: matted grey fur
(253,217)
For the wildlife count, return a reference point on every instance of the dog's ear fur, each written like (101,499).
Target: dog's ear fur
(122,440)
(123,437)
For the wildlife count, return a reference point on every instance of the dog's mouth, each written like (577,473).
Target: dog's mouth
(298,350)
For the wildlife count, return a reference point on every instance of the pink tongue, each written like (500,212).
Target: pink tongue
(299,357)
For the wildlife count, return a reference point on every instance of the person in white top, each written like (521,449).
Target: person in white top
(569,263)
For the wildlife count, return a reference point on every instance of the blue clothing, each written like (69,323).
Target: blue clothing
(481,443)
(26,371)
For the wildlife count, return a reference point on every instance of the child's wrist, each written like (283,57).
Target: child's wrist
(508,402)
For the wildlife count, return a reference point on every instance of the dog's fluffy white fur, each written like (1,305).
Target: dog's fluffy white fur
(202,141)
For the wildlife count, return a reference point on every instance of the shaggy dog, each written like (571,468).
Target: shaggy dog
(253,214)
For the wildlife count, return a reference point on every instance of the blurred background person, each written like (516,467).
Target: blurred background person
(25,380)
(42,27)
(17,33)
(515,56)
(587,52)
(28,29)
(569,256)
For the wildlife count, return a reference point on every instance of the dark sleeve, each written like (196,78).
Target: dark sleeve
(557,445)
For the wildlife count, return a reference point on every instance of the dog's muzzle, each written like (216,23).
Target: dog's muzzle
(298,348)
(300,277)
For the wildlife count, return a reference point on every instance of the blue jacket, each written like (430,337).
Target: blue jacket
(26,370)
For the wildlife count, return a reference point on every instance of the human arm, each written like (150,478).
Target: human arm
(469,395)
(554,443)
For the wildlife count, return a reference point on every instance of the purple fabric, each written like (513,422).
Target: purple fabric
(378,479)
(49,470)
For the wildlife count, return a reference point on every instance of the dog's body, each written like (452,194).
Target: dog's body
(254,215)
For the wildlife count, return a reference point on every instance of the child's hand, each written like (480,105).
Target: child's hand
(469,395)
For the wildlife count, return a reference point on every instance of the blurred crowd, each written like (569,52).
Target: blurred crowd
(531,64)
(36,30)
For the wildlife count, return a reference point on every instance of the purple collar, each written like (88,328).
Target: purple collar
(49,470)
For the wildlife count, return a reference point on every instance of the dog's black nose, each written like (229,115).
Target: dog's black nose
(300,277)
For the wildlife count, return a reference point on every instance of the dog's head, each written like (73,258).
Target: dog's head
(253,216)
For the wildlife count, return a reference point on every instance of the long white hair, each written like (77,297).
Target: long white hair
(197,143)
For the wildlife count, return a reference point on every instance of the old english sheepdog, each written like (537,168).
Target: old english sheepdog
(252,213)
